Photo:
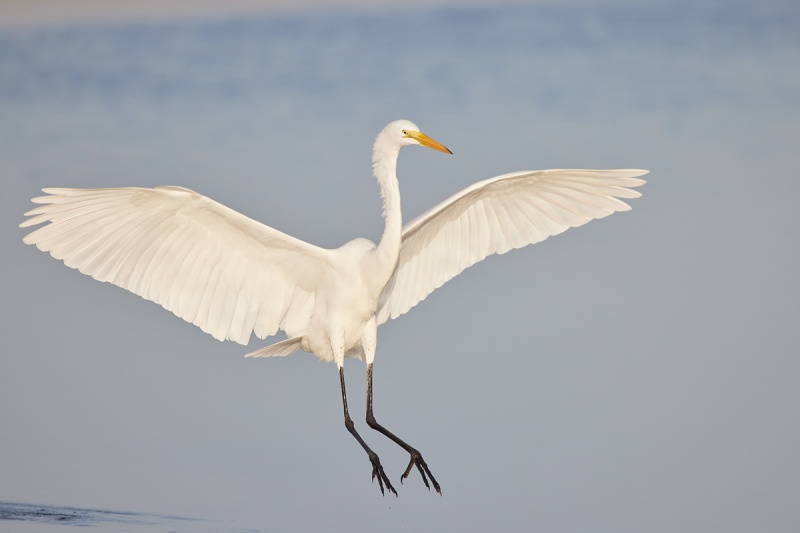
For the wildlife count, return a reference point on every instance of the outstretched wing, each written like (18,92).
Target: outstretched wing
(495,216)
(208,264)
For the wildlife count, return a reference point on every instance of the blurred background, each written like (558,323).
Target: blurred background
(636,374)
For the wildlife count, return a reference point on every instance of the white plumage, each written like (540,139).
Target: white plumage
(494,216)
(232,276)
(208,264)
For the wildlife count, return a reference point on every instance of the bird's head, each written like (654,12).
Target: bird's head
(405,132)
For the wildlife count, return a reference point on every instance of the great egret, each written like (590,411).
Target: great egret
(232,276)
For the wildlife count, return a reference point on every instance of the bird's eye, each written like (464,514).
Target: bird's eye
(405,132)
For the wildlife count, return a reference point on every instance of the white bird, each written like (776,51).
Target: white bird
(232,276)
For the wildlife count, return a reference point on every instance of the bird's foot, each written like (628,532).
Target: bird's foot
(424,471)
(377,472)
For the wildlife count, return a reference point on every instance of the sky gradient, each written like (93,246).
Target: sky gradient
(635,374)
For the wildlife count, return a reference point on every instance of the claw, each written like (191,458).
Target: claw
(419,462)
(377,471)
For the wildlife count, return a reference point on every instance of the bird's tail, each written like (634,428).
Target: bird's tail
(279,349)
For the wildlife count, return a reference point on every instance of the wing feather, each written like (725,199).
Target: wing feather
(494,216)
(208,264)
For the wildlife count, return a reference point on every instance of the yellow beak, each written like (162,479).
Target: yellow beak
(424,140)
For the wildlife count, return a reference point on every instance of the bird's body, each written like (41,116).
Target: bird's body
(352,289)
(233,276)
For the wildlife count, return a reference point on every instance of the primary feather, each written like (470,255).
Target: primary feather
(208,264)
(494,216)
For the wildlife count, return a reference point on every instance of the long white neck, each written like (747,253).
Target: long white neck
(384,166)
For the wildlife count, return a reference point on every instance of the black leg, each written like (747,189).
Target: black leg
(416,457)
(377,469)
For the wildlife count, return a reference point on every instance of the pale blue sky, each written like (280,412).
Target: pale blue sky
(28,13)
(636,374)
